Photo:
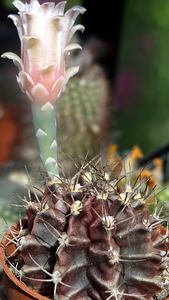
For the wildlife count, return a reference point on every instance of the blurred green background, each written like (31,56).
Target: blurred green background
(142,81)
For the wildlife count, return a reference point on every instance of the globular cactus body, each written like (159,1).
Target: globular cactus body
(89,238)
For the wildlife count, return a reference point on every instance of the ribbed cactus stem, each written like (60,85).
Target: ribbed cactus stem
(44,119)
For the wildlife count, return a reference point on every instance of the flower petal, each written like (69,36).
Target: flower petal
(25,81)
(44,13)
(71,72)
(19,5)
(18,23)
(16,59)
(47,75)
(72,47)
(57,89)
(69,19)
(74,12)
(52,50)
(29,23)
(74,29)
(20,84)
(48,68)
(33,7)
(32,59)
(46,10)
(29,97)
(39,94)
(59,8)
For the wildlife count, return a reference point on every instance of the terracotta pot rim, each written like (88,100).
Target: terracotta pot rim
(10,275)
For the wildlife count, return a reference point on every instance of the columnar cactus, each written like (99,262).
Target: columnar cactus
(86,104)
(92,238)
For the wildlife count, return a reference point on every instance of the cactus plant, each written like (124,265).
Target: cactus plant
(86,105)
(90,237)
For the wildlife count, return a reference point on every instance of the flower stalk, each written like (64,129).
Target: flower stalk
(45,32)
(44,119)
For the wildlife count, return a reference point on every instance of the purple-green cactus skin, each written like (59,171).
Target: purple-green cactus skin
(92,238)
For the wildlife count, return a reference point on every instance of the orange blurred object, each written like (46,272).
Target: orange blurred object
(9,128)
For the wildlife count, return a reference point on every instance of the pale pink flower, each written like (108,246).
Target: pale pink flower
(45,32)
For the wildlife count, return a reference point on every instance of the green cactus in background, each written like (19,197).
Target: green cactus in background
(84,114)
